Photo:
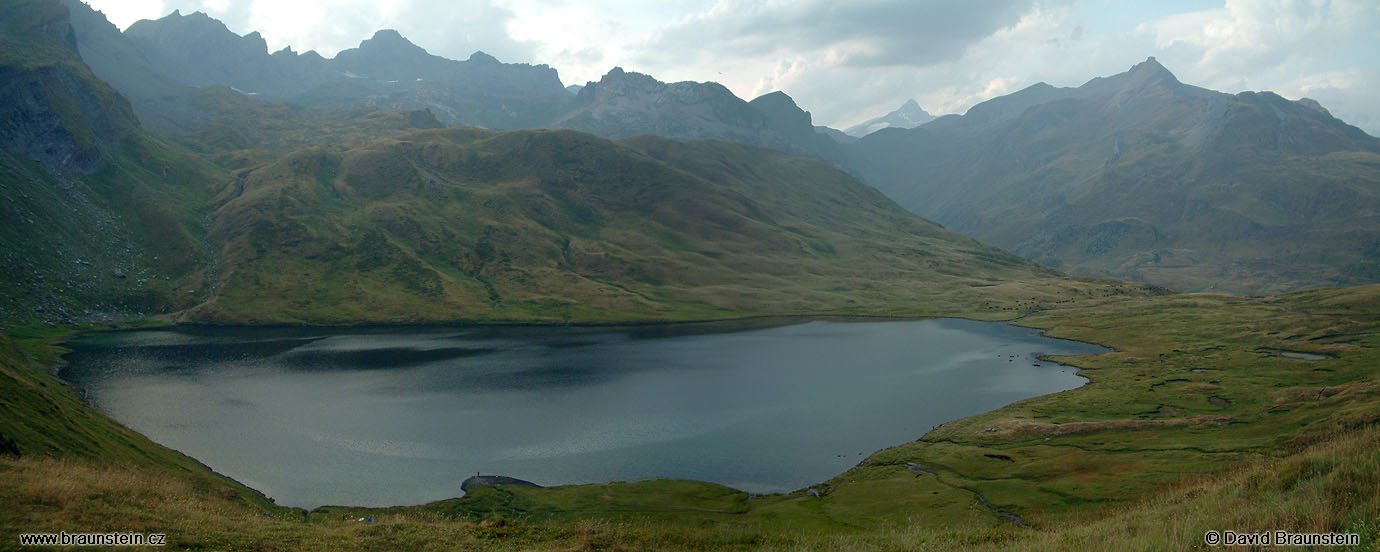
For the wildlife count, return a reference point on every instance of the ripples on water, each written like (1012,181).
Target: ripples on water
(402,416)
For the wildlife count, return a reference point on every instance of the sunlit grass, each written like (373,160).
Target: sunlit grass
(1296,448)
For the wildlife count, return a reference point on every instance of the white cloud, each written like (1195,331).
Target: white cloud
(125,12)
(1315,48)
(452,28)
(1332,80)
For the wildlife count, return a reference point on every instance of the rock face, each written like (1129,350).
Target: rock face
(1140,176)
(909,115)
(64,138)
(86,210)
(51,110)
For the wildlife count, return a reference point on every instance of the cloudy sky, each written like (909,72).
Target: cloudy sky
(847,61)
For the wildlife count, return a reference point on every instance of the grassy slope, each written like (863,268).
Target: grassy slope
(87,192)
(236,127)
(1294,448)
(558,226)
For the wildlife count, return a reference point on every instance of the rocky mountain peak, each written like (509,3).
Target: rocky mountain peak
(1143,80)
(619,80)
(258,40)
(782,110)
(912,110)
(194,20)
(1151,72)
(194,37)
(777,98)
(481,58)
(390,41)
(1313,104)
(909,115)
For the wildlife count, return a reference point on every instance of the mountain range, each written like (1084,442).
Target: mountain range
(157,63)
(278,212)
(1134,176)
(1140,176)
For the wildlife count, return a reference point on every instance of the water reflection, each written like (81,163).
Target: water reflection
(382,416)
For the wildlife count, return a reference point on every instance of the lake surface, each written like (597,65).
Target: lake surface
(402,416)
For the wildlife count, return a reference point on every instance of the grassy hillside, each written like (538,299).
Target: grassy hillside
(100,219)
(273,213)
(42,418)
(559,226)
(1144,458)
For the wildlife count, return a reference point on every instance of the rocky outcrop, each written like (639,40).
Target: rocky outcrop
(493,480)
(54,119)
(52,110)
(625,103)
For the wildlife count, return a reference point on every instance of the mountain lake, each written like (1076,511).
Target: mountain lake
(393,416)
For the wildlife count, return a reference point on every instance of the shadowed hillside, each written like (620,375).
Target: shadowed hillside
(100,219)
(1140,176)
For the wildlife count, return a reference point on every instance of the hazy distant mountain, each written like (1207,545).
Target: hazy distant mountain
(197,50)
(159,63)
(1138,175)
(838,135)
(795,125)
(625,103)
(909,115)
(154,62)
(156,97)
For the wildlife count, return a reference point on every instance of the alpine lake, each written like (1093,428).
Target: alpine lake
(393,416)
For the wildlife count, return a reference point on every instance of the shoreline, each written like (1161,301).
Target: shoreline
(771,320)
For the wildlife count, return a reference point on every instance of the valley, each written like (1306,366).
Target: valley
(474,230)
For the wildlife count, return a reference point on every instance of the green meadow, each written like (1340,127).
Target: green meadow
(1195,422)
